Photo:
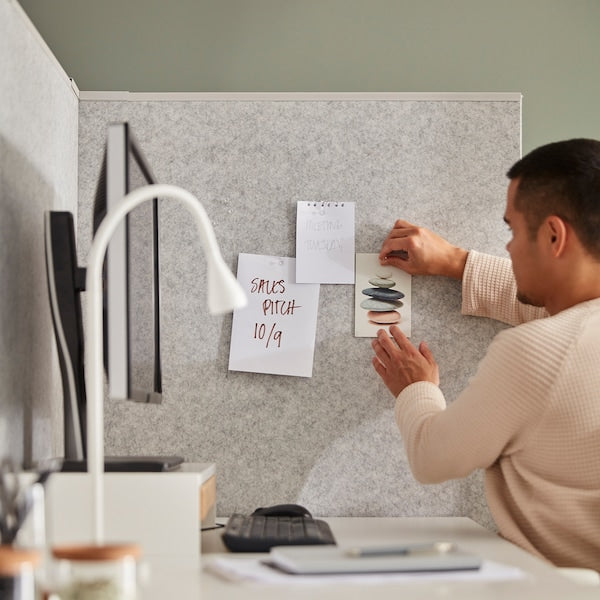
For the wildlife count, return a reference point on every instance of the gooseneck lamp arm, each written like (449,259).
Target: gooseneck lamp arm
(224,295)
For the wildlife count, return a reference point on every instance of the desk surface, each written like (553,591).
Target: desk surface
(176,579)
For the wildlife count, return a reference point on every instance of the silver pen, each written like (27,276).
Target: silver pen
(405,550)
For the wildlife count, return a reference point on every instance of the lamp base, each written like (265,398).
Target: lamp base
(162,512)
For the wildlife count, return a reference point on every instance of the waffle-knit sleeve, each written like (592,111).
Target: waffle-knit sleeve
(489,290)
(489,418)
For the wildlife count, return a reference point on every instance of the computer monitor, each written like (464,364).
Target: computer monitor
(65,283)
(132,291)
(131,301)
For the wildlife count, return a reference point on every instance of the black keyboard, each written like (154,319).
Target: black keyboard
(259,533)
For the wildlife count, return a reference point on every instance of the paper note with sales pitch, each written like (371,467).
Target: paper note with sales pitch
(275,332)
(325,242)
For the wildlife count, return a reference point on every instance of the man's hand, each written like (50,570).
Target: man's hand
(419,251)
(399,363)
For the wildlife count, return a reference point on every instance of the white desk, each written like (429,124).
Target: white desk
(188,581)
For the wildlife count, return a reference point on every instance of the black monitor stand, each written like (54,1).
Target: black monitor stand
(126,464)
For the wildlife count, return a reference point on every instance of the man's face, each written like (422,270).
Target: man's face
(524,252)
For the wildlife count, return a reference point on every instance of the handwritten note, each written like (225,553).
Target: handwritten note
(325,242)
(275,332)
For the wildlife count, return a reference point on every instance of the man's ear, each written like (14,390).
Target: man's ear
(555,232)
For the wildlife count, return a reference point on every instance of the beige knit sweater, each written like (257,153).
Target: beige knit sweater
(530,417)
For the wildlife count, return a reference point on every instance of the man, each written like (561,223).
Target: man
(531,415)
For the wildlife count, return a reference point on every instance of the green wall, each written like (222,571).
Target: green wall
(547,49)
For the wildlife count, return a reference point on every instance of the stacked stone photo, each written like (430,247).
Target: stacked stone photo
(382,302)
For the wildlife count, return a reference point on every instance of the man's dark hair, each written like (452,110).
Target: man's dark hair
(562,179)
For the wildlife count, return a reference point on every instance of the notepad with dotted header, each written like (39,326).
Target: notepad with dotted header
(325,242)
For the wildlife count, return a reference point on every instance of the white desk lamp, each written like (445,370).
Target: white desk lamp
(224,295)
